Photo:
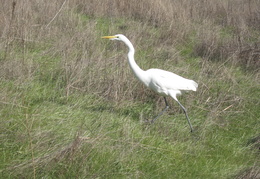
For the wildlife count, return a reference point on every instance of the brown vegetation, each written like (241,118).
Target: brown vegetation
(58,42)
(43,33)
(221,29)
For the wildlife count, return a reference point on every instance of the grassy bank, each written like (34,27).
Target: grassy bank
(70,106)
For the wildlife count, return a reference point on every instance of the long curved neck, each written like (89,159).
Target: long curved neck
(138,72)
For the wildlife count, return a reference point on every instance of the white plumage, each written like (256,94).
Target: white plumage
(163,82)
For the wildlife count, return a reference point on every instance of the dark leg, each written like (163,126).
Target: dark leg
(167,106)
(186,114)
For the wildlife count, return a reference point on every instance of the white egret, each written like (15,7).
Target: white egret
(163,82)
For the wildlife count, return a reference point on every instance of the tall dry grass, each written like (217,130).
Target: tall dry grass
(218,30)
(238,16)
(57,44)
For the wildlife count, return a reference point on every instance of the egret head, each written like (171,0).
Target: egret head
(119,37)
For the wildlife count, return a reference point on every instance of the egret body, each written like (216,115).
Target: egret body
(163,82)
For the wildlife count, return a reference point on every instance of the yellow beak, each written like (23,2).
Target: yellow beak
(108,37)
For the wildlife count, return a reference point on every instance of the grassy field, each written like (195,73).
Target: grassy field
(70,106)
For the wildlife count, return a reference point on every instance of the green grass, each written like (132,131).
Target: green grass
(87,136)
(53,127)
